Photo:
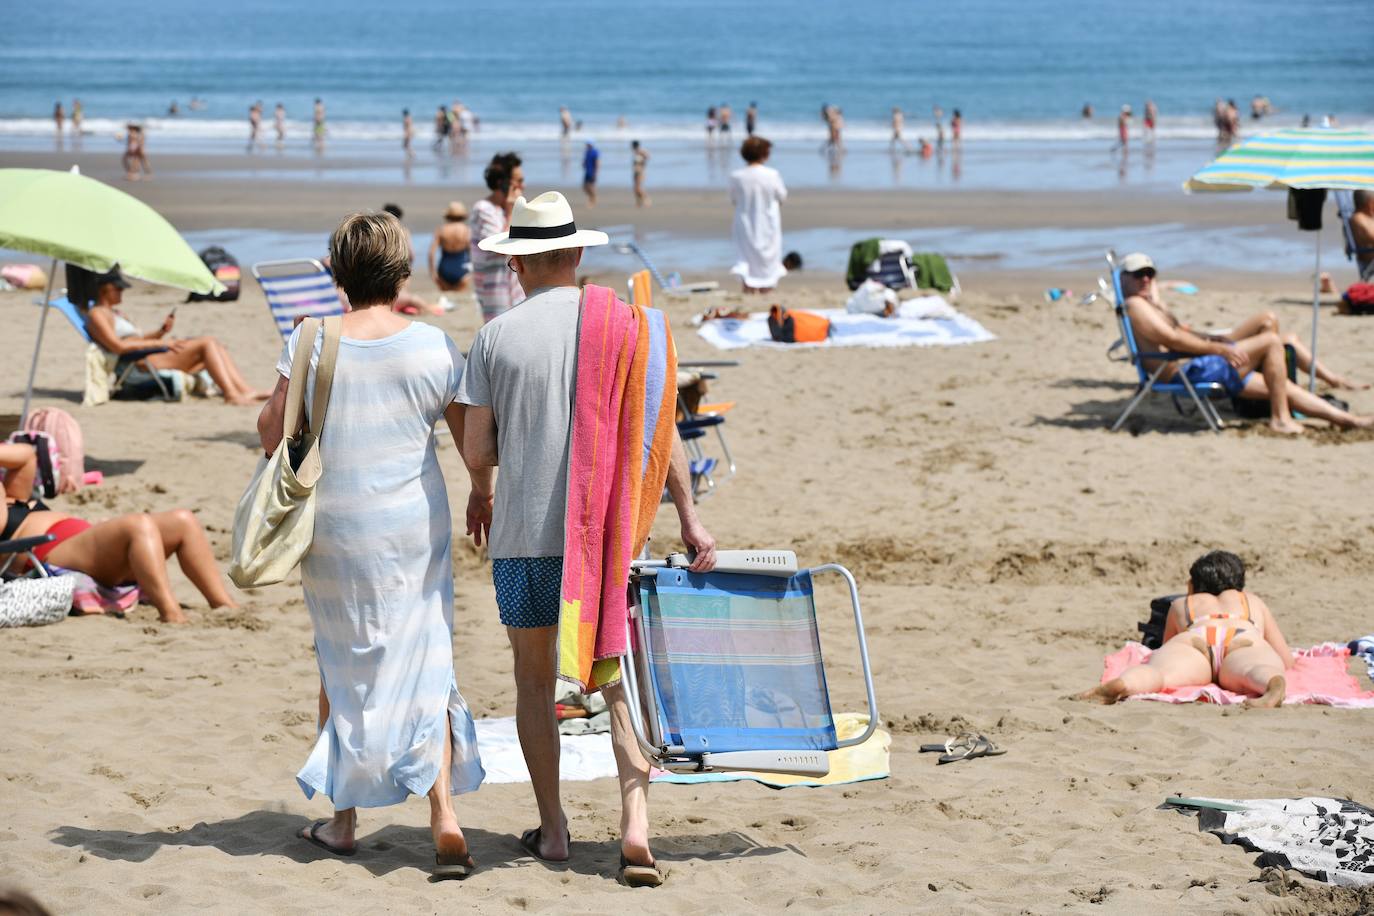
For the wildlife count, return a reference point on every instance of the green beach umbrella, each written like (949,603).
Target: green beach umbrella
(68,217)
(1297,158)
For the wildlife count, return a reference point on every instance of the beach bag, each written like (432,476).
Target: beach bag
(24,276)
(796,326)
(1359,298)
(275,519)
(225,267)
(64,435)
(34,602)
(872,298)
(47,483)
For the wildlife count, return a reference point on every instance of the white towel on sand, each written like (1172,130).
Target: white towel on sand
(927,321)
(583,756)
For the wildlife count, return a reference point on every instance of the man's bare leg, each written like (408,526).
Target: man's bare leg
(338,832)
(536,662)
(1303,400)
(633,772)
(1255,324)
(1266,355)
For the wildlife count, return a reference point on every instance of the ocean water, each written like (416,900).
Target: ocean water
(1018,70)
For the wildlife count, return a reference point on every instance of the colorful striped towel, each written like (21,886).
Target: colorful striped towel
(90,597)
(622,435)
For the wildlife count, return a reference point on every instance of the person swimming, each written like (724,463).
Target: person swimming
(1218,633)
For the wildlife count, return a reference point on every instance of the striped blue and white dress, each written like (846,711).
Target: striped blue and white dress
(379,575)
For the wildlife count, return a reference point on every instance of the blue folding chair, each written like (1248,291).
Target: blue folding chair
(1148,380)
(1345,207)
(125,364)
(725,669)
(296,289)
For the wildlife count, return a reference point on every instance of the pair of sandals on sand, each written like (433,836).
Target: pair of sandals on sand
(630,875)
(966,746)
(451,867)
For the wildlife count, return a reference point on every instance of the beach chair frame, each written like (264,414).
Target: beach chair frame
(23,548)
(638,673)
(1148,379)
(310,272)
(1345,208)
(630,246)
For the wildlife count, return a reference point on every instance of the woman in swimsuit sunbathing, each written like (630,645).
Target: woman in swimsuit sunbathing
(132,547)
(114,333)
(1219,633)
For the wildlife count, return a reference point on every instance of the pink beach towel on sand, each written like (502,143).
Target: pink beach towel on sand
(1317,676)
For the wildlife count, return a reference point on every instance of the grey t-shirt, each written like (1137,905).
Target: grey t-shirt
(521,366)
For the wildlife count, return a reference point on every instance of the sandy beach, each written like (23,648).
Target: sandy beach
(1004,542)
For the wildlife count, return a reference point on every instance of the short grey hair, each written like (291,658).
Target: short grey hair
(546,261)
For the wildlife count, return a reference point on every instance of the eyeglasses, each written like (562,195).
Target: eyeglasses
(1145,273)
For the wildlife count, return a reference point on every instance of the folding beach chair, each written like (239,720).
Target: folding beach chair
(296,289)
(725,669)
(168,383)
(23,549)
(1345,207)
(1148,378)
(672,283)
(693,425)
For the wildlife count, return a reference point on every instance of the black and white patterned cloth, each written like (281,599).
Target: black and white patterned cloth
(1330,839)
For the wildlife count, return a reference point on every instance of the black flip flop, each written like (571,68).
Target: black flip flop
(453,867)
(312,836)
(639,875)
(529,841)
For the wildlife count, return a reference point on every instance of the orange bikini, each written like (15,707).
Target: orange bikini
(1217,637)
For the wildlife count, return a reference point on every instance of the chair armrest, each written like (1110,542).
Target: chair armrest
(1168,356)
(144,353)
(699,423)
(24,545)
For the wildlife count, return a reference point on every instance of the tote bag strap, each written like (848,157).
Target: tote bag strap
(324,373)
(295,386)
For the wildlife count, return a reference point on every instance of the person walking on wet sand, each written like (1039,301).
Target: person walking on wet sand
(59,117)
(1149,121)
(898,122)
(751,119)
(639,162)
(319,125)
(1218,634)
(956,128)
(1123,128)
(407,133)
(565,121)
(279,121)
(938,116)
(591,165)
(254,123)
(135,157)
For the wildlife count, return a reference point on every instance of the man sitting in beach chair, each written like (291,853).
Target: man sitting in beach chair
(1248,363)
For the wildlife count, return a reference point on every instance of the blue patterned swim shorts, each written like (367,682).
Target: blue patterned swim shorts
(527,590)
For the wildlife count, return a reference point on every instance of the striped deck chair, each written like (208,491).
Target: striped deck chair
(693,425)
(671,283)
(296,289)
(724,670)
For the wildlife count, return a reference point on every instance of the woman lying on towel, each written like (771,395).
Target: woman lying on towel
(114,333)
(129,548)
(1219,633)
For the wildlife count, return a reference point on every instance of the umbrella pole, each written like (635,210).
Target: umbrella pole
(38,343)
(1316,312)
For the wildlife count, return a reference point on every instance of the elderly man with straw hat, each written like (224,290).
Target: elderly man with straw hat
(518,388)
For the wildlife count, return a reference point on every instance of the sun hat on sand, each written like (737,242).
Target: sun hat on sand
(539,225)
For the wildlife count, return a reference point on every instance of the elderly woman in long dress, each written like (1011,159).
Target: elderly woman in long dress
(757,192)
(497,287)
(378,577)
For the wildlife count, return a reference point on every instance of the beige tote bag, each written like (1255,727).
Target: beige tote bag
(275,520)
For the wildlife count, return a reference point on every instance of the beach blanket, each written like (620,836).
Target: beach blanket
(581,757)
(1330,839)
(621,439)
(927,321)
(850,764)
(1318,676)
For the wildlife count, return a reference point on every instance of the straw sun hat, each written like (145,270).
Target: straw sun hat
(539,225)
(456,210)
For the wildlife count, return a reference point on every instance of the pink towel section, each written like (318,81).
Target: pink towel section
(1318,676)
